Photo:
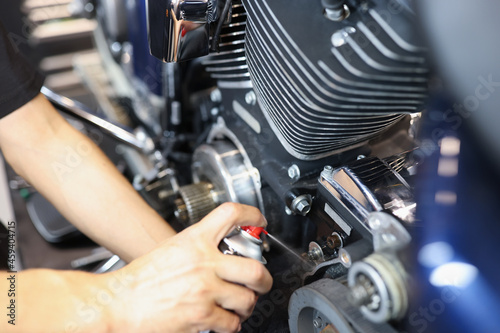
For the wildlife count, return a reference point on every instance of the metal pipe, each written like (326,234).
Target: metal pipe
(81,111)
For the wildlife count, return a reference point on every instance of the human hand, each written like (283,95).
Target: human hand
(188,285)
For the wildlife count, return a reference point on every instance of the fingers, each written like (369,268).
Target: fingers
(244,271)
(236,298)
(223,219)
(222,321)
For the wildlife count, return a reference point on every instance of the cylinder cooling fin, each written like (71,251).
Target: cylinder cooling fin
(326,86)
(229,66)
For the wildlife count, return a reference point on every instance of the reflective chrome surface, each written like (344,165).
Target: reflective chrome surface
(248,174)
(370,185)
(178,30)
(195,202)
(221,164)
(243,244)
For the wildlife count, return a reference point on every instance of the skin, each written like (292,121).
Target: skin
(174,283)
(76,176)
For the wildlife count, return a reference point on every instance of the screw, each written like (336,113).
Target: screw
(215,96)
(359,295)
(250,98)
(327,171)
(294,172)
(314,254)
(363,291)
(317,322)
(116,47)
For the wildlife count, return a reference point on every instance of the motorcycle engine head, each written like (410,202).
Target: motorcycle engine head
(323,86)
(326,85)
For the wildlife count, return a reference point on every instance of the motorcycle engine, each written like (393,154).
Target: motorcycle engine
(306,110)
(312,105)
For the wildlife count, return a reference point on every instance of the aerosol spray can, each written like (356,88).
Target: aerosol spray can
(245,242)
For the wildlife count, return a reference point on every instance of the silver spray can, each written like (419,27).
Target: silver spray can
(245,242)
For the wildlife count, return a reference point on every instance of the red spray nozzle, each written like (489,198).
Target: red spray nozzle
(254,231)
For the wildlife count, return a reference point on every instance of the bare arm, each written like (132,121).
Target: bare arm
(74,174)
(43,300)
(184,285)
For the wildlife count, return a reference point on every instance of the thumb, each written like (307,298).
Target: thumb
(222,220)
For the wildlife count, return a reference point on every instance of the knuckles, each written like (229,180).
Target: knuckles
(202,313)
(259,274)
(231,209)
(249,303)
(233,323)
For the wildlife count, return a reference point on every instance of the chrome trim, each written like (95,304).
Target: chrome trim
(370,185)
(220,131)
(178,30)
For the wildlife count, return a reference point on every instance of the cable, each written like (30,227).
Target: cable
(215,39)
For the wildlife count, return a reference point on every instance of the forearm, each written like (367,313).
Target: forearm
(74,174)
(55,301)
(184,285)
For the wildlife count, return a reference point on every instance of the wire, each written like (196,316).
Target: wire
(215,39)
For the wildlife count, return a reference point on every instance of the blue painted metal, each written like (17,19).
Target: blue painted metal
(470,225)
(147,68)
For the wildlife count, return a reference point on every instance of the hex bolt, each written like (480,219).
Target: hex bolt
(294,172)
(327,171)
(301,204)
(335,10)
